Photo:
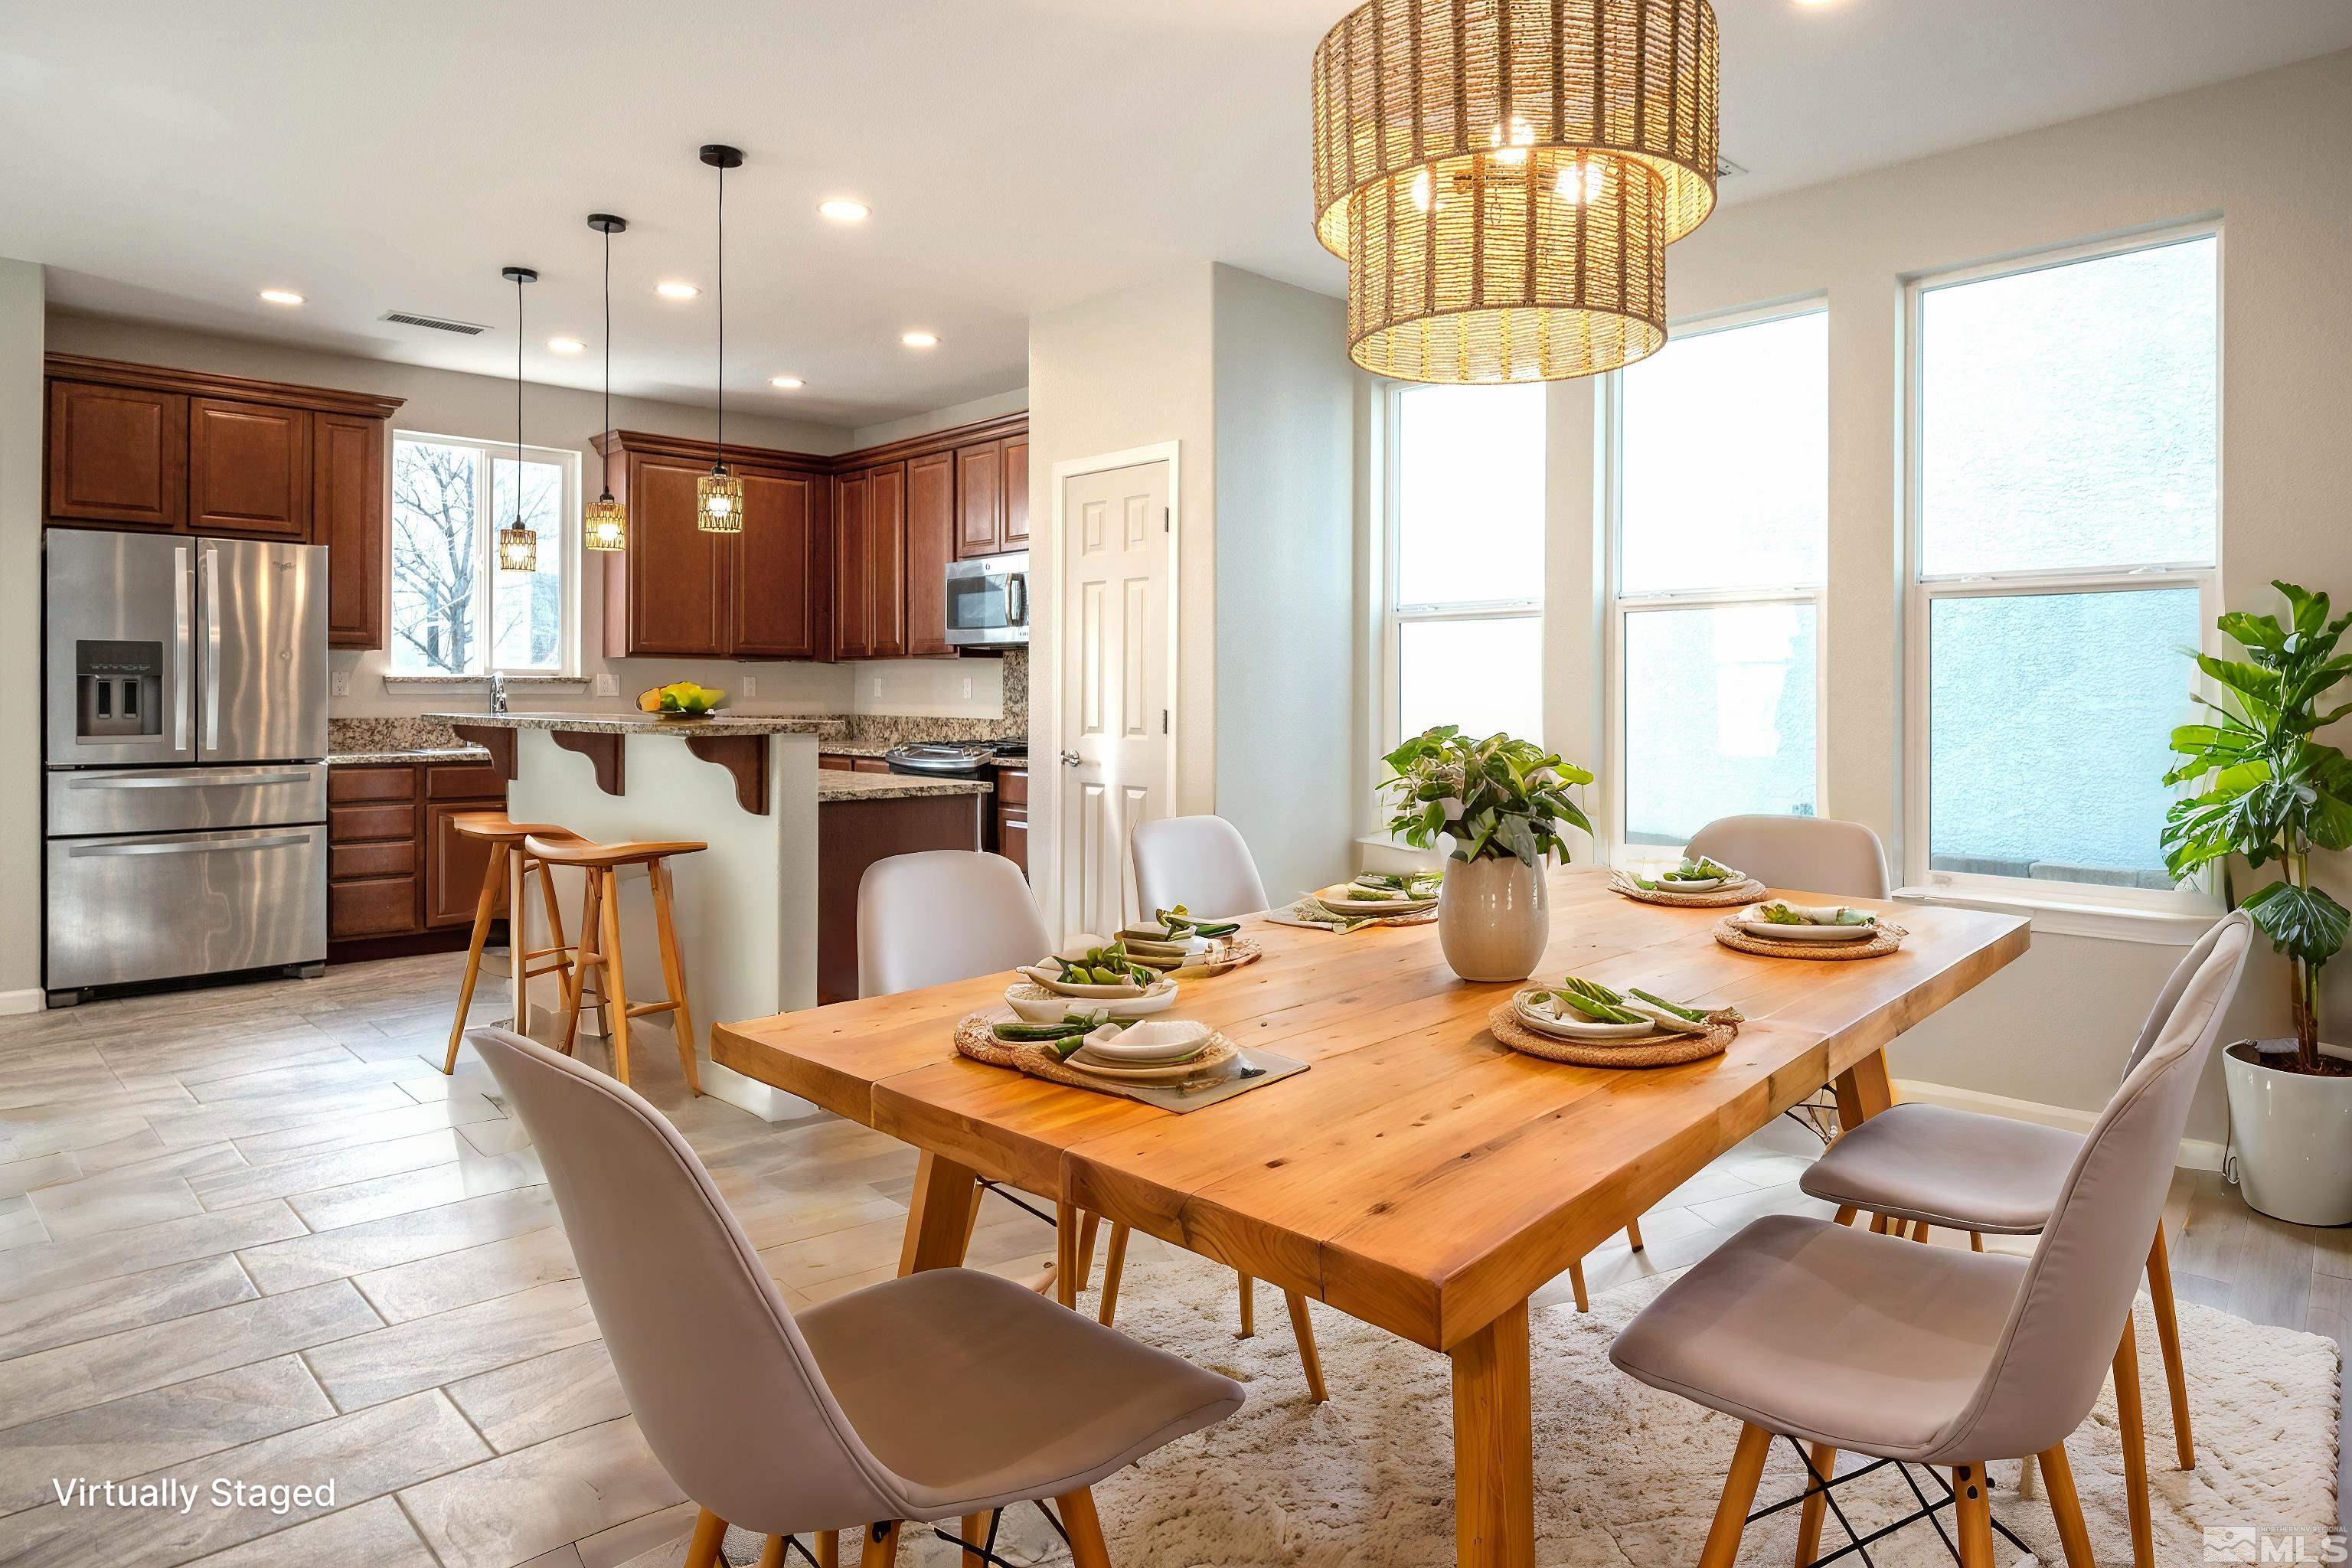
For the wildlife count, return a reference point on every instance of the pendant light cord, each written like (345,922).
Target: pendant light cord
(517,517)
(603,462)
(722,318)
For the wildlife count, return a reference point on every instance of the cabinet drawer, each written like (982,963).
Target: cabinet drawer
(868,765)
(386,906)
(370,783)
(1012,786)
(358,824)
(836,765)
(391,857)
(464,781)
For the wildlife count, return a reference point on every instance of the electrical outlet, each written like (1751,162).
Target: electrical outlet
(607,684)
(967,689)
(339,683)
(878,689)
(751,686)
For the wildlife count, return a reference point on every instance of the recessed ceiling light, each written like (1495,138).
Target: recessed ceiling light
(566,346)
(919,340)
(676,291)
(281,297)
(785,382)
(842,210)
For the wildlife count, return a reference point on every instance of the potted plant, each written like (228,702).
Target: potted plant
(1504,804)
(2268,791)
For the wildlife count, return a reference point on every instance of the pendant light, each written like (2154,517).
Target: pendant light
(719,495)
(517,546)
(604,522)
(1503,179)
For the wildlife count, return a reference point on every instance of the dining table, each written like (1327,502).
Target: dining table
(1420,1175)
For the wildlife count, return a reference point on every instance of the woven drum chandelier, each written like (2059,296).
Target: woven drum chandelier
(1503,177)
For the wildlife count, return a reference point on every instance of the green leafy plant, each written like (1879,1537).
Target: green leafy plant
(2267,791)
(1497,796)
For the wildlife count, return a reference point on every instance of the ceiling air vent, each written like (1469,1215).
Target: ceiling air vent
(1725,169)
(438,323)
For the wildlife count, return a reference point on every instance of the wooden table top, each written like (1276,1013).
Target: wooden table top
(1421,1175)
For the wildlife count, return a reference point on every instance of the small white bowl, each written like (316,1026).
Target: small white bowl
(1156,1040)
(1751,921)
(1680,885)
(1544,1021)
(1052,1007)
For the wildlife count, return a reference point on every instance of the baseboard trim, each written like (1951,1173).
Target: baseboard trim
(2196,1154)
(32,999)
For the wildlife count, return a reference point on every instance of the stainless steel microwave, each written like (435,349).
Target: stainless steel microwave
(988,600)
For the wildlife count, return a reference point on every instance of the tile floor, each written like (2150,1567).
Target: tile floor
(252,1232)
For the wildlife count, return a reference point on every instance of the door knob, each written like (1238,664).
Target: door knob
(1069,759)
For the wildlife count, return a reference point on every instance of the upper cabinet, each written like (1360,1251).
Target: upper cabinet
(133,446)
(783,564)
(993,496)
(870,573)
(930,545)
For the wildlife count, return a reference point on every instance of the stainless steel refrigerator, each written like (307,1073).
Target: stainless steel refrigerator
(183,750)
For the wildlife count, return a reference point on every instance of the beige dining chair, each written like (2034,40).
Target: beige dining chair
(1922,1166)
(1809,853)
(833,1420)
(1200,862)
(1841,1339)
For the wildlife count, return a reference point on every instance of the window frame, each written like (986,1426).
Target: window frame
(1617,605)
(1918,878)
(485,529)
(1394,615)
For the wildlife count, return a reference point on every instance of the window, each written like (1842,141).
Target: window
(1719,485)
(1465,560)
(449,499)
(2065,546)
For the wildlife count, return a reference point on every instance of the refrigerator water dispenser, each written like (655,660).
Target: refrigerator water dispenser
(119,689)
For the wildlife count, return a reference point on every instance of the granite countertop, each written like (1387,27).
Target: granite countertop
(836,786)
(409,754)
(650,724)
(836,746)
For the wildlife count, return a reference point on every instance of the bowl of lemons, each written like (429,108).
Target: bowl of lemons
(681,699)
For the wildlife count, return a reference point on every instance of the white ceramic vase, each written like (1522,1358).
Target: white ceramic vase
(1492,921)
(2293,1134)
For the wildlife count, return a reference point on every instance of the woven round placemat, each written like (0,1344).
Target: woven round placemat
(1890,937)
(1745,891)
(1656,1050)
(975,1037)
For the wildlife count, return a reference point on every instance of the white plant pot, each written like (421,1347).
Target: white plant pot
(2293,1134)
(1492,921)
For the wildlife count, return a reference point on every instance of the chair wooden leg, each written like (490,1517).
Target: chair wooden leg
(587,959)
(828,1549)
(493,877)
(881,1546)
(710,1530)
(1078,1517)
(1634,1233)
(2168,1336)
(1739,1493)
(1302,1328)
(557,942)
(611,984)
(1919,1232)
(1845,1214)
(1089,1228)
(2135,1441)
(1249,1309)
(771,1553)
(1114,1266)
(1976,1241)
(1975,1515)
(1576,1283)
(518,885)
(673,970)
(1878,1225)
(975,1529)
(1810,1511)
(2065,1507)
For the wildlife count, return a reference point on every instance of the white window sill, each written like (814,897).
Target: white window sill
(572,683)
(2076,917)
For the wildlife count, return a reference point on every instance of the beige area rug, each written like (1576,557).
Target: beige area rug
(1624,1474)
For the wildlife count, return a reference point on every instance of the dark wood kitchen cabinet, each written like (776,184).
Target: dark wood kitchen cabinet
(869,575)
(400,877)
(781,565)
(992,497)
(133,446)
(930,545)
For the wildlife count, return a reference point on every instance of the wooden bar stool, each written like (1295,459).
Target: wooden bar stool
(600,940)
(510,868)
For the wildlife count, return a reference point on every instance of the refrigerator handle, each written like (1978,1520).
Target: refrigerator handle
(212,647)
(185,676)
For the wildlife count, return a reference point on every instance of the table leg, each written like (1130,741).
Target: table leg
(940,1220)
(1494,1444)
(1863,1090)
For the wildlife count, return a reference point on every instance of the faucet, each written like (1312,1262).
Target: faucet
(498,691)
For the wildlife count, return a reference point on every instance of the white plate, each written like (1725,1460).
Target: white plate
(1156,1041)
(1142,946)
(1044,977)
(1051,1007)
(1677,885)
(1167,1073)
(1671,1023)
(1545,1023)
(1754,924)
(1348,896)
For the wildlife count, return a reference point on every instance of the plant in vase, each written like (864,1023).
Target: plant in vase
(2265,790)
(1504,804)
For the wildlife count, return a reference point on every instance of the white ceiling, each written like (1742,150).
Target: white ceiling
(168,160)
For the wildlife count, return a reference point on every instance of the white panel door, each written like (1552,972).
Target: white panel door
(1115,624)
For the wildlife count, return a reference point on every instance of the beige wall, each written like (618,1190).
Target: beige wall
(994,407)
(21,332)
(2272,156)
(451,403)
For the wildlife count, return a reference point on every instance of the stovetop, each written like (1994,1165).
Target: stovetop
(951,759)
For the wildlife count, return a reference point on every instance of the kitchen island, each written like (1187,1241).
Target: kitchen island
(748,906)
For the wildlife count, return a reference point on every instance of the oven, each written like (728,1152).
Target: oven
(988,600)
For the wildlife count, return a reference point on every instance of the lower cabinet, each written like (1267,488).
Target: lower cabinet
(1009,809)
(854,834)
(400,877)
